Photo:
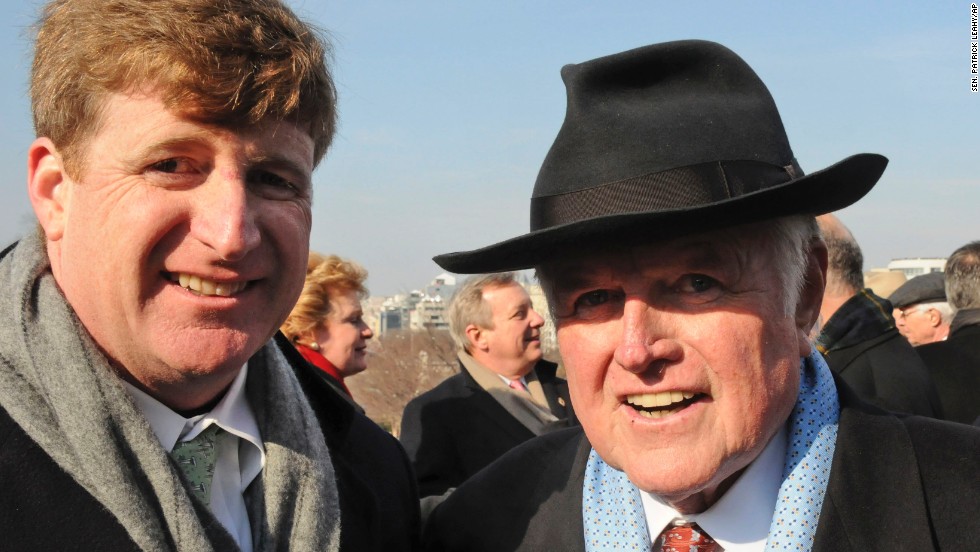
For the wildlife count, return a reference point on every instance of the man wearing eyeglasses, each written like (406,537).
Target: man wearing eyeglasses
(922,314)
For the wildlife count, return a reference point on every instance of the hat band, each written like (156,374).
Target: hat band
(681,188)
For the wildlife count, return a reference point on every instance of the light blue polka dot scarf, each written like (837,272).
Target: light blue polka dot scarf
(613,512)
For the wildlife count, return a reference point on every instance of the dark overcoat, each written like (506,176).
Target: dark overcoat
(457,428)
(43,508)
(896,483)
(887,372)
(955,368)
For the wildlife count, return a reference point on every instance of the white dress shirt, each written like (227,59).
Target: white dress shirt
(739,521)
(240,456)
(507,380)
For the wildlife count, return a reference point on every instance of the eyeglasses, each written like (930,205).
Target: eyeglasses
(904,313)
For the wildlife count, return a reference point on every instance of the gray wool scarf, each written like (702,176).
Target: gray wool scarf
(61,390)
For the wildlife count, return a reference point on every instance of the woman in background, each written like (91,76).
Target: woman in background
(327,325)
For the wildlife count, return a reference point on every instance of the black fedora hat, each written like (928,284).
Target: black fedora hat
(663,141)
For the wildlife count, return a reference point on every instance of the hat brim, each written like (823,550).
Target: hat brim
(824,191)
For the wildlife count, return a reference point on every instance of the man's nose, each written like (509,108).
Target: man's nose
(536,319)
(224,217)
(644,340)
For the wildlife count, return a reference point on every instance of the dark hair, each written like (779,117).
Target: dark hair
(845,263)
(963,277)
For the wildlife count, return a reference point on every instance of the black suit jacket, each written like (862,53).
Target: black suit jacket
(897,483)
(43,508)
(457,428)
(955,368)
(887,372)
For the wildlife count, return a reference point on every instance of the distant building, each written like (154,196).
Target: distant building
(918,266)
(418,309)
(429,314)
(443,285)
(390,318)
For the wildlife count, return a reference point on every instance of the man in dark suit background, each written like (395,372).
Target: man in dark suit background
(859,338)
(955,363)
(673,232)
(504,394)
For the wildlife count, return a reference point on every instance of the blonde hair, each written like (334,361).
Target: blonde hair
(326,278)
(230,63)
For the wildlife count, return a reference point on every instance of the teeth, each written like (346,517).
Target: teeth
(657,400)
(201,286)
(224,290)
(654,413)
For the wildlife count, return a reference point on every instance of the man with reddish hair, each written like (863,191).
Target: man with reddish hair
(144,404)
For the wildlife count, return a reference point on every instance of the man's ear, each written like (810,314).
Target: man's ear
(811,296)
(47,187)
(476,337)
(935,319)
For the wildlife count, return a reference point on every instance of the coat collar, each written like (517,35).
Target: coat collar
(875,498)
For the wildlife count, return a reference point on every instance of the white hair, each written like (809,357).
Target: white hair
(787,240)
(942,307)
(791,239)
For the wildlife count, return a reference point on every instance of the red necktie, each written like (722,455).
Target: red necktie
(686,538)
(517,385)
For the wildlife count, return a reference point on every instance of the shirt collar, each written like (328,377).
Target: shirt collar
(740,520)
(232,413)
(862,317)
(507,380)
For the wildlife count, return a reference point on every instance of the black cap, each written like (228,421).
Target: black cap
(927,288)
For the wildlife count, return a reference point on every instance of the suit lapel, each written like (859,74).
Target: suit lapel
(495,413)
(555,507)
(875,500)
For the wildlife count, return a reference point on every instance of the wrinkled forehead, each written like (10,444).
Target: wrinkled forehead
(732,249)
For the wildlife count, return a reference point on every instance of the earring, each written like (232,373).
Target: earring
(314,345)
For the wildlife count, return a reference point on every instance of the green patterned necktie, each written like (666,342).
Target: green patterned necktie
(196,459)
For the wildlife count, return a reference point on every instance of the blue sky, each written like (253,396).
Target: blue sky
(448,108)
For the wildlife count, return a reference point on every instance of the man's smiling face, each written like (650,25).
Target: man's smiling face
(180,246)
(682,357)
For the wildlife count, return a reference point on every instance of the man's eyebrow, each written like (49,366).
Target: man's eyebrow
(277,160)
(281,162)
(571,277)
(191,139)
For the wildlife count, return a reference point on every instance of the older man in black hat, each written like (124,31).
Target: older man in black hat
(674,233)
